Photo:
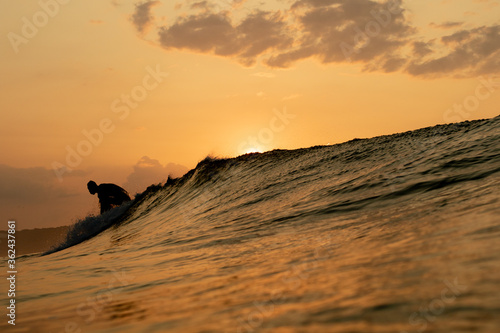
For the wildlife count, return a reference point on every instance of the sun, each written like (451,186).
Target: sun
(252,150)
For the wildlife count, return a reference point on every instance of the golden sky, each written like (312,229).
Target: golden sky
(116,90)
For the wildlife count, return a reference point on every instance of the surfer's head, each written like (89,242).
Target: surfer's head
(92,186)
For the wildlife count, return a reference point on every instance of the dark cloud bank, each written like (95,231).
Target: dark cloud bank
(35,197)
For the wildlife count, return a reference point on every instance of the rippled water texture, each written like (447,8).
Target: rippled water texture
(391,234)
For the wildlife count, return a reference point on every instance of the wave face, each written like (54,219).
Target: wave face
(390,234)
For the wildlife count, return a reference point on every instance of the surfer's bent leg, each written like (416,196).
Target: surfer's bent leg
(105,206)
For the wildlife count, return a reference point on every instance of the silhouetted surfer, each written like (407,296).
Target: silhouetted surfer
(110,195)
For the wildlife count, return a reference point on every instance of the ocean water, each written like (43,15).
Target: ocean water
(398,233)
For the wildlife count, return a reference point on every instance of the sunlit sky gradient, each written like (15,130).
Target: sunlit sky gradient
(232,68)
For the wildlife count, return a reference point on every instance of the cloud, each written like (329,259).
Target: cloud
(338,31)
(421,49)
(200,5)
(294,96)
(446,25)
(214,33)
(377,35)
(148,171)
(142,16)
(314,28)
(35,197)
(217,5)
(30,185)
(469,53)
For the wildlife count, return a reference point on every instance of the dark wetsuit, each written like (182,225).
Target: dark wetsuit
(111,195)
